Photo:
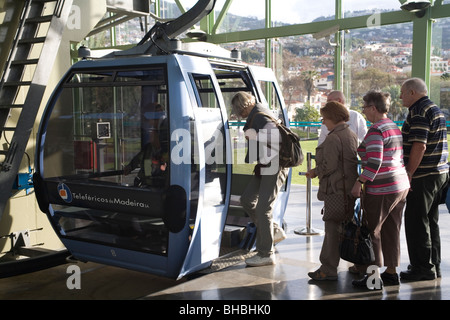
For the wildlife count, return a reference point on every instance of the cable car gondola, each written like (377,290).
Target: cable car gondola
(139,161)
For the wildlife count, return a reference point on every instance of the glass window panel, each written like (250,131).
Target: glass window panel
(439,65)
(102,121)
(377,59)
(352,8)
(108,141)
(105,77)
(187,4)
(101,39)
(252,52)
(130,32)
(272,98)
(231,81)
(169,9)
(214,140)
(206,92)
(242,15)
(305,71)
(301,11)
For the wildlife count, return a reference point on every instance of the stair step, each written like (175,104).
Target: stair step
(10,106)
(23,62)
(32,40)
(40,19)
(17,83)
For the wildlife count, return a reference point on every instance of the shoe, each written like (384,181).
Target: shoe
(259,261)
(390,278)
(320,276)
(416,276)
(278,235)
(438,271)
(362,283)
(355,269)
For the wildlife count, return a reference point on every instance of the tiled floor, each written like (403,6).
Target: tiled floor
(287,280)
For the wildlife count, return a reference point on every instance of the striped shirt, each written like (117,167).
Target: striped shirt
(381,154)
(426,123)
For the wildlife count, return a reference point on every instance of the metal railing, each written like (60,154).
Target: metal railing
(318,123)
(308,230)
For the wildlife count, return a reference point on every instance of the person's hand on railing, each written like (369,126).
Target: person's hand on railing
(311,174)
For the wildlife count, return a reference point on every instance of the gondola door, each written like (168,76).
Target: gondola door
(211,156)
(270,93)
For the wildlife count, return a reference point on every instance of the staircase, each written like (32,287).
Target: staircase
(23,82)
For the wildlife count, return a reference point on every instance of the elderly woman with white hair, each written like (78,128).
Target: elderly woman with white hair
(260,194)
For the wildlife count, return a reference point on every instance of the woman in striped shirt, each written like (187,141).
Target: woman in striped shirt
(383,185)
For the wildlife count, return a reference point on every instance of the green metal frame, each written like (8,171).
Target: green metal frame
(421,33)
(422,28)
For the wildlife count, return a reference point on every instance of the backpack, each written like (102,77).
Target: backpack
(290,154)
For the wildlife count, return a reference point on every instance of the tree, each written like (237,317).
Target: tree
(370,79)
(396,109)
(251,55)
(307,113)
(291,84)
(439,91)
(291,88)
(308,78)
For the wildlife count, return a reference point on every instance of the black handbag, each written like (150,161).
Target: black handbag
(355,243)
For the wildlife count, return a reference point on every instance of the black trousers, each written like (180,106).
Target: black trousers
(422,222)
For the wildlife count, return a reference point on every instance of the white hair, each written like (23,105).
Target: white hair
(416,84)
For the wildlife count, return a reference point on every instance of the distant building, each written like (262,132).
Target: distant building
(325,81)
(400,59)
(438,66)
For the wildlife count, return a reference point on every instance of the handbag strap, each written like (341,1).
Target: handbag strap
(359,222)
(264,114)
(361,216)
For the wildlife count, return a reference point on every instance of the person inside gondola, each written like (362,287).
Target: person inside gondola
(153,158)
